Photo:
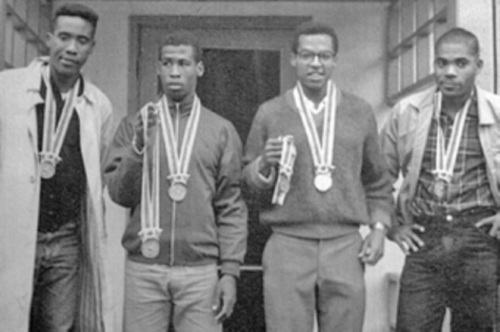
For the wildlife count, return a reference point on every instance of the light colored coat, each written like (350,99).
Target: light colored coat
(404,137)
(20,193)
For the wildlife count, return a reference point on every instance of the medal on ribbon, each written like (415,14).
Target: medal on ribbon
(322,151)
(446,156)
(53,135)
(288,154)
(178,163)
(150,193)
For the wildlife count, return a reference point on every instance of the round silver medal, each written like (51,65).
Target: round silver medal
(48,168)
(150,248)
(323,182)
(439,189)
(177,192)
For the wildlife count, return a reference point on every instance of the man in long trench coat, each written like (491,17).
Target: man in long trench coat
(51,212)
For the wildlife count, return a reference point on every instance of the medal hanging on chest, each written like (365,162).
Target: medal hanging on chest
(178,163)
(150,193)
(53,135)
(446,156)
(321,151)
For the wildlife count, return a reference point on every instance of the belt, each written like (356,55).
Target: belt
(460,217)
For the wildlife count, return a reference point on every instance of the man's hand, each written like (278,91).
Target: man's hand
(372,249)
(139,125)
(494,221)
(406,237)
(271,155)
(225,298)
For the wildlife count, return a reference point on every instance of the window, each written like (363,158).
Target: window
(413,27)
(22,25)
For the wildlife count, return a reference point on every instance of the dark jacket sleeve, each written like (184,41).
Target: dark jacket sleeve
(230,208)
(123,168)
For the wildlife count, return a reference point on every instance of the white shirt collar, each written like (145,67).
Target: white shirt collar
(309,104)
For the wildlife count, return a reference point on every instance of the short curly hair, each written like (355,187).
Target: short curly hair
(314,28)
(183,37)
(77,10)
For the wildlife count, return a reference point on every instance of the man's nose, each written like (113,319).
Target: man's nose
(450,70)
(175,70)
(71,46)
(315,61)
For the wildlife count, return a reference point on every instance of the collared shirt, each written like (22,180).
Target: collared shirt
(309,104)
(61,196)
(469,187)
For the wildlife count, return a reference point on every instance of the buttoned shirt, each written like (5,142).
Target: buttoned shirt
(469,187)
(404,139)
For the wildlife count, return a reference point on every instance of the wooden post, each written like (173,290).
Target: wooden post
(3,23)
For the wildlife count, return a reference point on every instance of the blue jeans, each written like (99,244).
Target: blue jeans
(156,295)
(55,282)
(457,268)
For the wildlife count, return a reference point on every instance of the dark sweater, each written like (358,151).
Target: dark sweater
(361,191)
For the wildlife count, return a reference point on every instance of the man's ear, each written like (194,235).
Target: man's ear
(479,64)
(158,68)
(200,68)
(293,59)
(48,38)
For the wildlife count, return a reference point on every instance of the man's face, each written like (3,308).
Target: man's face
(179,71)
(315,61)
(70,45)
(456,68)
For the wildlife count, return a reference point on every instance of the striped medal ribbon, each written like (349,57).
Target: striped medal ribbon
(53,135)
(150,194)
(178,163)
(446,156)
(321,151)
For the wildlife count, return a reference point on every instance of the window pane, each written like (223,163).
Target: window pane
(408,68)
(408,17)
(424,57)
(393,77)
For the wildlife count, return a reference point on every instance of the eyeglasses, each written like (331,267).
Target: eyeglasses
(323,57)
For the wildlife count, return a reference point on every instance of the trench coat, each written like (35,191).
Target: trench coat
(19,200)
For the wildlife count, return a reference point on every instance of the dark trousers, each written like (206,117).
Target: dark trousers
(55,282)
(457,268)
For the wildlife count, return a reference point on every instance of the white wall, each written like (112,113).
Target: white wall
(478,18)
(361,30)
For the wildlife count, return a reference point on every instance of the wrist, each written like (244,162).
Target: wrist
(380,226)
(230,276)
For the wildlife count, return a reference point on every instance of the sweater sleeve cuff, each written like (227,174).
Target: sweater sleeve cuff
(381,216)
(231,268)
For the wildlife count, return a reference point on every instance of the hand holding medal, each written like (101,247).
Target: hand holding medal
(271,156)
(287,160)
(144,122)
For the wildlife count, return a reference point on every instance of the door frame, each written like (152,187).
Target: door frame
(177,22)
